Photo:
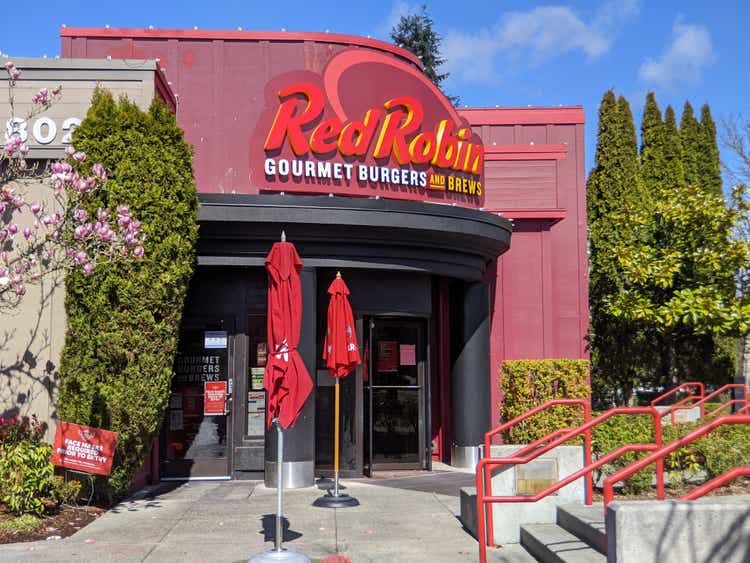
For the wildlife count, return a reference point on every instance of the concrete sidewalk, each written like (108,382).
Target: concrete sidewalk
(409,519)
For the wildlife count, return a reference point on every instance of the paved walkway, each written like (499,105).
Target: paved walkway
(407,519)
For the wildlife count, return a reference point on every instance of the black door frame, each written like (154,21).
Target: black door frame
(206,469)
(422,322)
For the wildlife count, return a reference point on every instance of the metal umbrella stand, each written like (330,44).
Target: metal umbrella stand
(279,553)
(342,355)
(285,379)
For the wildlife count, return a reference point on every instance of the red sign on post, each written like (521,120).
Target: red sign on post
(214,397)
(83,448)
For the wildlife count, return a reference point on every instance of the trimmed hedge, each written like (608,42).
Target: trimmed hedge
(123,321)
(529,383)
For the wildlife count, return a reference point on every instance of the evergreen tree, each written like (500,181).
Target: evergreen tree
(709,164)
(652,147)
(690,135)
(674,175)
(613,194)
(123,320)
(415,33)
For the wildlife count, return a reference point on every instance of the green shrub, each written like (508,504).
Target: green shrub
(724,448)
(25,476)
(529,383)
(616,432)
(123,320)
(65,492)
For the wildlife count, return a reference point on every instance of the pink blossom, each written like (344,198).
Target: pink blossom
(22,164)
(57,90)
(24,149)
(88,267)
(69,150)
(80,215)
(16,279)
(81,257)
(12,228)
(27,233)
(3,207)
(80,156)
(99,171)
(70,252)
(4,256)
(102,214)
(14,74)
(3,235)
(35,208)
(20,290)
(138,251)
(9,66)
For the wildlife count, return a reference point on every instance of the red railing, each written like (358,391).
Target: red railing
(659,455)
(702,402)
(744,410)
(529,453)
(691,397)
(584,403)
(716,482)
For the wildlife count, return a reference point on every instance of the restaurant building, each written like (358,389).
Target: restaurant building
(342,143)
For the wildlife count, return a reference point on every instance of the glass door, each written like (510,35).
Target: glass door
(195,439)
(395,394)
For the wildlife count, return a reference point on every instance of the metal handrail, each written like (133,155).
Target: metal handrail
(659,455)
(705,399)
(744,410)
(723,479)
(701,387)
(483,477)
(528,414)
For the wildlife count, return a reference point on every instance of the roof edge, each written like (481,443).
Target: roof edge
(241,35)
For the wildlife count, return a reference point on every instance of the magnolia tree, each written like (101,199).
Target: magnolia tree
(55,232)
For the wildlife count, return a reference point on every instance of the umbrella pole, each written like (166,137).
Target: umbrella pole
(279,484)
(336,443)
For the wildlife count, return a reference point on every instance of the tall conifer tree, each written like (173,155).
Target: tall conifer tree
(690,135)
(613,191)
(674,175)
(652,146)
(709,165)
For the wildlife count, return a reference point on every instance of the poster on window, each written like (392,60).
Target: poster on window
(387,356)
(214,398)
(407,354)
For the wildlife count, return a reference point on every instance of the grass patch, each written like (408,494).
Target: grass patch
(24,523)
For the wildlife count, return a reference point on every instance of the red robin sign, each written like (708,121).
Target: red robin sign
(367,125)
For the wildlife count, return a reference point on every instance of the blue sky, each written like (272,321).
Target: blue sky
(510,53)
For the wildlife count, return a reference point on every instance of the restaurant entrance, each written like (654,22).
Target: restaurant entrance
(395,391)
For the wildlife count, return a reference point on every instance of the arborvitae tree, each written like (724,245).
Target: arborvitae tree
(415,33)
(123,320)
(709,165)
(613,194)
(674,175)
(690,135)
(652,146)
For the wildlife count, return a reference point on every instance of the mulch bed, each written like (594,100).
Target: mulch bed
(65,522)
(739,486)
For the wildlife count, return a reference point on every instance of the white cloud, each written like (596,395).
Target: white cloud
(684,60)
(534,37)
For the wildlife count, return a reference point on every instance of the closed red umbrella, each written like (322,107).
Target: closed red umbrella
(286,378)
(341,354)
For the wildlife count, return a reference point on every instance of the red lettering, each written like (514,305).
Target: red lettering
(325,136)
(363,130)
(398,124)
(288,122)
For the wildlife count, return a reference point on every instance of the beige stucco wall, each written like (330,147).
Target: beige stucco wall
(32,335)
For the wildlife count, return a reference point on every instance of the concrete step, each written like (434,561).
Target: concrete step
(468,514)
(586,522)
(550,543)
(511,553)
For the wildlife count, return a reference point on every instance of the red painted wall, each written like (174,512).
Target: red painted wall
(534,166)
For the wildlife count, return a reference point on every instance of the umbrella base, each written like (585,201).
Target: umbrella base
(335,501)
(285,555)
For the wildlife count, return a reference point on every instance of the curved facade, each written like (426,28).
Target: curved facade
(343,144)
